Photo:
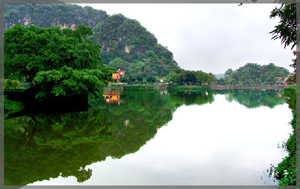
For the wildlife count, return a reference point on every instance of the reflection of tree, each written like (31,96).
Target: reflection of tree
(136,121)
(44,146)
(255,98)
(191,98)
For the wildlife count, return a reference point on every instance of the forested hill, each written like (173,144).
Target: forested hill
(126,44)
(255,74)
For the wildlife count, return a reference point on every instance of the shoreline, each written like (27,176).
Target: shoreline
(189,87)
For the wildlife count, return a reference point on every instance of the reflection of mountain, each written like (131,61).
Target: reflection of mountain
(255,98)
(47,146)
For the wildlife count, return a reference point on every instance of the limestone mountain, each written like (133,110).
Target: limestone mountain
(126,44)
(48,15)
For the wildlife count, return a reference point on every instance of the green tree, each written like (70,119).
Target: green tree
(119,63)
(139,78)
(286,28)
(151,79)
(228,72)
(12,84)
(200,77)
(56,62)
(211,78)
(189,77)
(221,81)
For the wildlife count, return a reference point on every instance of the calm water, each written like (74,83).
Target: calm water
(152,138)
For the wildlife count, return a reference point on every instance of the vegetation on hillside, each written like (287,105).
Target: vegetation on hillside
(48,15)
(182,77)
(254,74)
(126,44)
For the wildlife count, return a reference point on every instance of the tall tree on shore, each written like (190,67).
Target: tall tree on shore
(286,30)
(54,61)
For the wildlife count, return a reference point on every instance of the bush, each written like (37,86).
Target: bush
(285,172)
(12,84)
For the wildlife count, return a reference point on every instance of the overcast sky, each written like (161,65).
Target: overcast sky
(210,37)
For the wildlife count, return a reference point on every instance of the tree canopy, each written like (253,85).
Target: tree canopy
(255,74)
(191,77)
(286,29)
(60,62)
(121,38)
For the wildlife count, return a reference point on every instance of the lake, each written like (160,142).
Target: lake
(152,138)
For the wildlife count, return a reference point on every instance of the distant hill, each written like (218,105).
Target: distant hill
(252,73)
(126,44)
(218,76)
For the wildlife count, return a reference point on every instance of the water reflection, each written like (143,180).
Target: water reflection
(255,98)
(111,97)
(43,146)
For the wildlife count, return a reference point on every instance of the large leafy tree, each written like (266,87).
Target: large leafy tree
(286,30)
(57,62)
(119,63)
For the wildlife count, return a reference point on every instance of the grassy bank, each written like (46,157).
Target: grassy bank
(285,172)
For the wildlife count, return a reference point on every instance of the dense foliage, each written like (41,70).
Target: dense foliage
(286,29)
(181,77)
(12,84)
(285,171)
(12,106)
(253,73)
(57,62)
(126,44)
